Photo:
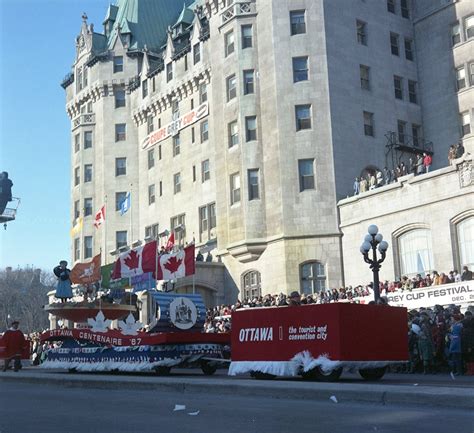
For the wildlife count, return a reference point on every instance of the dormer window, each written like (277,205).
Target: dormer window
(169,71)
(144,88)
(118,64)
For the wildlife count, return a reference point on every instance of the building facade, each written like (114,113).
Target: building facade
(240,124)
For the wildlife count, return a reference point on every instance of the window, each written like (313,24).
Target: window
(151,194)
(233,130)
(87,206)
(185,62)
(119,94)
(169,72)
(87,247)
(300,69)
(412,97)
(119,198)
(391,6)
(364,77)
(152,231)
(409,49)
(89,107)
(297,21)
(465,232)
(202,93)
(204,131)
(176,144)
(120,132)
(455,34)
(250,128)
(174,109)
(87,139)
(193,135)
(77,177)
(469,25)
(118,64)
(303,117)
(207,222)
(149,124)
(251,285)
(194,173)
(247,36)
(415,251)
(394,44)
(161,188)
(361,32)
(205,170)
(77,142)
(120,166)
(87,173)
(461,78)
(254,192)
(197,53)
(368,124)
(159,152)
(306,174)
(177,183)
(144,88)
(151,158)
(231,84)
(77,249)
(401,131)
(465,123)
(121,239)
(178,227)
(248,82)
(77,211)
(234,188)
(416,134)
(313,278)
(229,43)
(398,87)
(471,74)
(405,9)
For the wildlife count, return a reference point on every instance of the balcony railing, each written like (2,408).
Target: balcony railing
(238,9)
(83,120)
(408,143)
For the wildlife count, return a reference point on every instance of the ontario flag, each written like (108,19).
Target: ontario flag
(177,265)
(99,217)
(136,262)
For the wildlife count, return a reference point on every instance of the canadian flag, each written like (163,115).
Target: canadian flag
(177,265)
(136,261)
(99,217)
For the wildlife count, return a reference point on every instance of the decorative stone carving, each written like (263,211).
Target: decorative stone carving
(466,175)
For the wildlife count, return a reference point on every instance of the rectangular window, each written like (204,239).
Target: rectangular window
(185,62)
(233,131)
(192,100)
(234,188)
(87,247)
(77,176)
(194,173)
(471,74)
(364,77)
(178,227)
(202,93)
(254,192)
(205,171)
(120,132)
(87,173)
(159,152)
(247,36)
(77,249)
(297,21)
(412,93)
(153,85)
(177,183)
(174,109)
(409,49)
(303,117)
(306,174)
(87,139)
(119,198)
(300,69)
(207,222)
(416,134)
(149,124)
(121,239)
(193,135)
(405,8)
(250,128)
(204,131)
(169,72)
(398,87)
(456,34)
(77,211)
(151,232)
(120,166)
(144,88)
(118,64)
(87,206)
(77,142)
(176,144)
(394,44)
(151,158)
(119,95)
(391,6)
(461,78)
(369,124)
(79,84)
(197,53)
(229,43)
(151,194)
(231,86)
(248,82)
(401,126)
(361,32)
(465,123)
(161,188)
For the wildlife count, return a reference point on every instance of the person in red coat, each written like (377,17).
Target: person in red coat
(15,343)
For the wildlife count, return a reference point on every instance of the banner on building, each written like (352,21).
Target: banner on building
(143,282)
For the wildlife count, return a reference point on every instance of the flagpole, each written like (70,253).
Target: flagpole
(131,219)
(156,256)
(105,229)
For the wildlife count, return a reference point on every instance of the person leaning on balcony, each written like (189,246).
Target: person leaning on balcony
(5,191)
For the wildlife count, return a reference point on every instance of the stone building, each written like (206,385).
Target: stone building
(240,124)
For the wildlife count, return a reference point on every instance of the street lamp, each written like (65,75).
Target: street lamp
(371,241)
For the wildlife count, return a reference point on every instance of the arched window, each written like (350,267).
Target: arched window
(313,277)
(251,285)
(415,252)
(465,234)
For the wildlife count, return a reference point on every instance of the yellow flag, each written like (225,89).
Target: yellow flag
(77,228)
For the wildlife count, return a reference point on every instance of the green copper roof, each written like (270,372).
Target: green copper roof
(111,13)
(146,20)
(186,16)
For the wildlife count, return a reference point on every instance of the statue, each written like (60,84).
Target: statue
(63,288)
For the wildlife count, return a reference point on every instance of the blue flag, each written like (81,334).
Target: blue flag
(125,205)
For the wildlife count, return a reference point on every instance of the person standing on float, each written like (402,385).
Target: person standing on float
(63,288)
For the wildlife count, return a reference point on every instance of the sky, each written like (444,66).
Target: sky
(37,49)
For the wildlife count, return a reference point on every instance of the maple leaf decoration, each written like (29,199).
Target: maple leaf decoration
(132,261)
(173,264)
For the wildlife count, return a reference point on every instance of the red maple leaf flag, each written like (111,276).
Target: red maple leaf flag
(136,262)
(132,260)
(177,265)
(99,217)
